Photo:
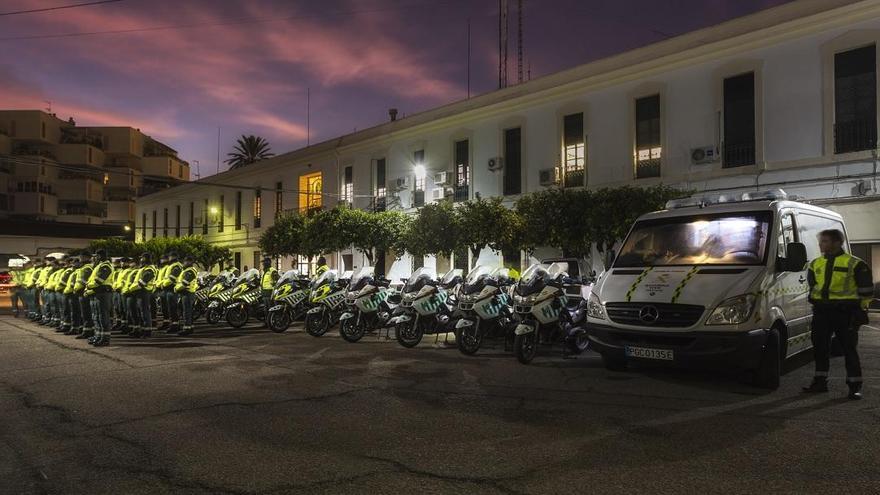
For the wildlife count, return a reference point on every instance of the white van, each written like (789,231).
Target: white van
(712,280)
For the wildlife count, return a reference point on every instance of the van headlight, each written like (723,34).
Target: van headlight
(595,309)
(733,311)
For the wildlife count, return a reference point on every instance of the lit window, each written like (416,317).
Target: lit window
(574,150)
(347,192)
(311,190)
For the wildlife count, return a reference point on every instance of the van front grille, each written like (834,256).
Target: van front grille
(654,314)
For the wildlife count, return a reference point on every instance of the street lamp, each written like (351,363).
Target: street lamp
(126,228)
(419,170)
(213,210)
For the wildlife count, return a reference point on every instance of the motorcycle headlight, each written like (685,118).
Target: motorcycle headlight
(595,309)
(733,311)
(525,300)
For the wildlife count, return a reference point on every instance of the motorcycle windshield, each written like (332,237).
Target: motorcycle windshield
(534,279)
(476,279)
(452,275)
(501,274)
(289,276)
(418,279)
(327,277)
(361,278)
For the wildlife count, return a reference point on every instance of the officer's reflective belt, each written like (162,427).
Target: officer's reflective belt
(685,280)
(636,283)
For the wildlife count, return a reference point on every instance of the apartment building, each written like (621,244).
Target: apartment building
(783,98)
(52,170)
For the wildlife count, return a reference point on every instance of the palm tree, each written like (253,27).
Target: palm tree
(248,149)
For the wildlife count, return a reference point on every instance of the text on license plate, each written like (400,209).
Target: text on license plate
(646,353)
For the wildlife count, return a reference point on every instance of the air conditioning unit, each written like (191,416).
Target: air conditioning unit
(548,177)
(401,183)
(437,194)
(442,178)
(496,163)
(704,155)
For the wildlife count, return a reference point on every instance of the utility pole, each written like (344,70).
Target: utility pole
(218,149)
(469,57)
(308,116)
(502,44)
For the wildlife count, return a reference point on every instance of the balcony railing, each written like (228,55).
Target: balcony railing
(573,178)
(855,135)
(27,150)
(738,154)
(648,168)
(461,193)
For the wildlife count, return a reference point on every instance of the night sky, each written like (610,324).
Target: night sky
(245,66)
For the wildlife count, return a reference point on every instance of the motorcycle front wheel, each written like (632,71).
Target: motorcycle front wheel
(213,315)
(317,324)
(237,316)
(278,321)
(470,339)
(578,343)
(350,330)
(409,334)
(526,347)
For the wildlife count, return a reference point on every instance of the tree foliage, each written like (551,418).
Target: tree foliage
(287,237)
(434,230)
(205,253)
(487,222)
(247,150)
(370,232)
(616,209)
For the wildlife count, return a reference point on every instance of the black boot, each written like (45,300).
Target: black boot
(86,335)
(101,342)
(819,385)
(855,391)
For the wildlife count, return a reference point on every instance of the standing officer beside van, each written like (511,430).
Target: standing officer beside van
(840,291)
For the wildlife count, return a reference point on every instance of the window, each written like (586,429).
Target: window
(237,260)
(574,149)
(238,210)
(739,121)
(462,170)
(257,261)
(90,155)
(347,192)
(380,185)
(786,234)
(180,171)
(648,146)
(170,172)
(512,161)
(809,227)
(144,226)
(43,130)
(311,187)
(42,204)
(419,188)
(221,214)
(154,224)
(205,218)
(177,221)
(855,100)
(258,208)
(192,217)
(279,199)
(165,222)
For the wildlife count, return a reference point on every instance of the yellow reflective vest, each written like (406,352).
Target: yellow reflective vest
(187,281)
(120,278)
(69,281)
(845,279)
(139,280)
(270,276)
(95,279)
(168,279)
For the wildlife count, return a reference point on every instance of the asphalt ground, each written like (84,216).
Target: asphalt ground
(250,411)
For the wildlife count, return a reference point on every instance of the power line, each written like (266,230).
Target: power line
(229,22)
(59,7)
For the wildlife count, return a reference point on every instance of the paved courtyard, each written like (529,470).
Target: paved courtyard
(250,411)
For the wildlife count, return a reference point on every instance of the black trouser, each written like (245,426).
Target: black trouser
(102,302)
(186,303)
(85,303)
(171,301)
(842,322)
(75,309)
(16,295)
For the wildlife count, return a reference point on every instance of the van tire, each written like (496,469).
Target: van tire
(613,363)
(768,373)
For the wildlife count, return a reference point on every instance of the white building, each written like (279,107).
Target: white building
(786,97)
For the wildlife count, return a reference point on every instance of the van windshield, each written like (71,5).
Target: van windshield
(723,239)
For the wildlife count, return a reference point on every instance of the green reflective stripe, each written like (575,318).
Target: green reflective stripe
(684,281)
(636,283)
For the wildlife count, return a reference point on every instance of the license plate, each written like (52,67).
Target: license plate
(646,353)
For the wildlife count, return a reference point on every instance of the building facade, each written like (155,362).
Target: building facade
(63,185)
(784,98)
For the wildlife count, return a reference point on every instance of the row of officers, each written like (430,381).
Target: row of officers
(90,296)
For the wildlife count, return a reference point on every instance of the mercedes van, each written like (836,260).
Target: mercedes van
(711,280)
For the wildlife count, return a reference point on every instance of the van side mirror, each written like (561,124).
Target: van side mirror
(609,258)
(796,257)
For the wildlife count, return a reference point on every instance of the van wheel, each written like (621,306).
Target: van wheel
(769,371)
(613,363)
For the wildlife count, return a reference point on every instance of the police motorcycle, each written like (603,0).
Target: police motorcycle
(246,300)
(218,296)
(290,301)
(426,306)
(327,297)
(484,308)
(368,307)
(204,281)
(543,315)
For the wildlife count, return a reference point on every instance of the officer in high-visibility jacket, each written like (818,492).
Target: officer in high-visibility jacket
(170,298)
(15,291)
(61,285)
(27,285)
(840,292)
(53,307)
(42,293)
(85,300)
(142,289)
(128,298)
(322,266)
(34,292)
(99,289)
(119,271)
(71,298)
(185,287)
(161,269)
(267,283)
